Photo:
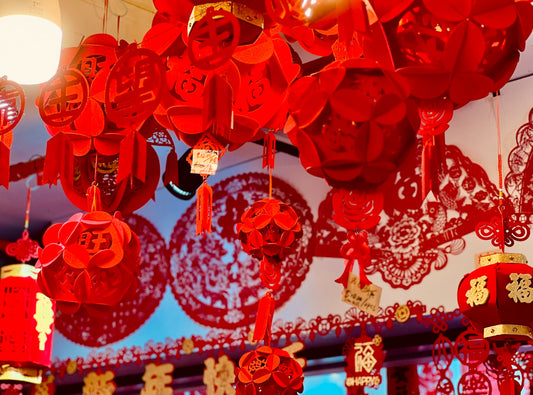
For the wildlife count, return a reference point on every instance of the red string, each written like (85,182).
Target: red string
(500,174)
(27,217)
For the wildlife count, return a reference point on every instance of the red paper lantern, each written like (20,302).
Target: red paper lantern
(26,322)
(497,297)
(270,371)
(458,49)
(350,123)
(90,260)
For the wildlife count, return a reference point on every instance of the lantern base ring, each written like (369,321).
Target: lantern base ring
(507,330)
(25,374)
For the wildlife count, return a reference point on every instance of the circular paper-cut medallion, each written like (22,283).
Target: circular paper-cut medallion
(126,317)
(215,282)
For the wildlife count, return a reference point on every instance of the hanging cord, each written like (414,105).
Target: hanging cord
(104,19)
(28,202)
(500,173)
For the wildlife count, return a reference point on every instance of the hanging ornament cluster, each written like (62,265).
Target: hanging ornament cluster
(350,123)
(98,109)
(269,231)
(270,371)
(219,82)
(12,102)
(90,260)
(27,322)
(364,359)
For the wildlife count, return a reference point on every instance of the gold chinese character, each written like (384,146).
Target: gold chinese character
(219,376)
(478,294)
(44,318)
(99,384)
(364,357)
(520,288)
(156,378)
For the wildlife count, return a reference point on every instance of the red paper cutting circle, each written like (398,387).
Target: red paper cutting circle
(216,283)
(63,98)
(213,39)
(130,314)
(134,87)
(12,102)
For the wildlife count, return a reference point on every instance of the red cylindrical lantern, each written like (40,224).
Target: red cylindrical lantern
(270,371)
(497,297)
(26,325)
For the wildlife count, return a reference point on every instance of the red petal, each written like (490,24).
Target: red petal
(82,287)
(258,52)
(330,79)
(450,10)
(108,143)
(161,36)
(389,110)
(281,379)
(470,86)
(50,253)
(97,219)
(69,232)
(273,362)
(91,121)
(261,375)
(306,100)
(390,9)
(255,239)
(284,220)
(465,48)
(51,235)
(76,256)
(186,119)
(426,82)
(495,14)
(351,104)
(104,259)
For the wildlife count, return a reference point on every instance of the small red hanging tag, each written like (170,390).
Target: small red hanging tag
(263,322)
(171,169)
(4,164)
(94,200)
(269,150)
(204,201)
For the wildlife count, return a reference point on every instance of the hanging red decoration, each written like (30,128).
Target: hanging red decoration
(99,106)
(12,102)
(350,123)
(497,297)
(269,230)
(270,371)
(27,321)
(90,260)
(364,358)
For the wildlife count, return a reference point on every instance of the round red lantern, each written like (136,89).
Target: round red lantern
(90,260)
(269,371)
(27,321)
(350,123)
(497,297)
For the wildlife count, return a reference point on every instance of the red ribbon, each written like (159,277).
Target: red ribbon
(356,248)
(4,164)
(269,150)
(263,322)
(433,162)
(94,200)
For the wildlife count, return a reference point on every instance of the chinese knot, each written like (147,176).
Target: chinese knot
(270,371)
(90,260)
(497,297)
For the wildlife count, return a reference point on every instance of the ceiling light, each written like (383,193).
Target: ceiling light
(30,40)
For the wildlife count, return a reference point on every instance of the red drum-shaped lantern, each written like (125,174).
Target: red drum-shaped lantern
(497,297)
(90,260)
(350,123)
(270,371)
(26,323)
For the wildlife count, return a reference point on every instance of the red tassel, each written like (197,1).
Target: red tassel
(427,151)
(59,159)
(171,169)
(218,106)
(343,279)
(269,150)
(94,200)
(204,201)
(132,159)
(355,248)
(263,322)
(4,164)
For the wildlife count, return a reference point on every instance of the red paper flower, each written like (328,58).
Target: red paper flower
(357,210)
(88,261)
(270,371)
(350,123)
(460,49)
(269,229)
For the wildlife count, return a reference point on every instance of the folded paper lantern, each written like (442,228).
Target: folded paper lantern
(90,260)
(270,371)
(349,122)
(497,297)
(26,322)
